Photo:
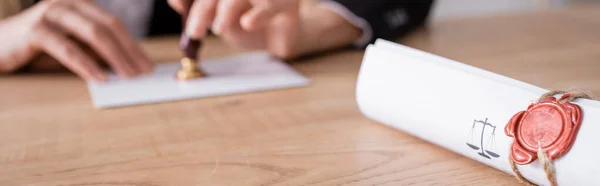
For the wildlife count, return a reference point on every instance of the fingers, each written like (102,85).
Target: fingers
(200,18)
(264,11)
(59,46)
(178,5)
(258,16)
(266,24)
(229,13)
(95,34)
(284,33)
(226,15)
(134,53)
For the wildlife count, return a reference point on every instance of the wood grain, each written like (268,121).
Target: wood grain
(51,135)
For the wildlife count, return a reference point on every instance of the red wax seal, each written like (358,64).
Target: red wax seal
(548,124)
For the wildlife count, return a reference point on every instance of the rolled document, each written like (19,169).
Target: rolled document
(465,109)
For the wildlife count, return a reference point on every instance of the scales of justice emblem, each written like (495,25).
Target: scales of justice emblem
(487,151)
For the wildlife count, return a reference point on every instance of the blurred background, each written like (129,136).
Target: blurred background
(456,9)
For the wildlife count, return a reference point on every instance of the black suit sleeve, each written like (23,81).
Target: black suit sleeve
(389,19)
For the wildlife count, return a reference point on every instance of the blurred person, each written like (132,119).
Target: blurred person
(84,35)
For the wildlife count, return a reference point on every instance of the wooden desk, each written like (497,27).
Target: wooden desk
(51,135)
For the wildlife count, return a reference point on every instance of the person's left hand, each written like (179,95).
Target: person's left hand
(273,25)
(76,34)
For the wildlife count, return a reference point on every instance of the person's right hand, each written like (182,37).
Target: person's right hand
(273,25)
(63,29)
(280,27)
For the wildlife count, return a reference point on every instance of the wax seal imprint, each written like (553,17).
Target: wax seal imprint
(550,124)
(189,70)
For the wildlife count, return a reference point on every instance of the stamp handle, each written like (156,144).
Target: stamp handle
(188,45)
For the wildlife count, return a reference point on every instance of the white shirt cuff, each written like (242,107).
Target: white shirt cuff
(367,31)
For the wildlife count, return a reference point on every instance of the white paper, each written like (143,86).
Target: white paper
(438,100)
(231,75)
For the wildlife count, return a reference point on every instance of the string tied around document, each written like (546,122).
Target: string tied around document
(545,131)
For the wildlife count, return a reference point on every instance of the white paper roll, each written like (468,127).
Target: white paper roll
(447,103)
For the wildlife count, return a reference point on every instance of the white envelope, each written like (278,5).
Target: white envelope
(244,73)
(440,100)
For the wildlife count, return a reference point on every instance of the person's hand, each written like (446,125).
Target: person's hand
(281,27)
(252,24)
(76,33)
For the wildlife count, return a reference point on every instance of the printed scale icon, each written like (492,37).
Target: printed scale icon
(487,151)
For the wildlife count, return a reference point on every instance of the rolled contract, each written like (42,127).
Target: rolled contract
(466,110)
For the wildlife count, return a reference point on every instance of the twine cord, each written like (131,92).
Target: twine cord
(518,174)
(573,96)
(541,153)
(548,166)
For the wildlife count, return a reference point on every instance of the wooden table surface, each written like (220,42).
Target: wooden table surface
(51,135)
